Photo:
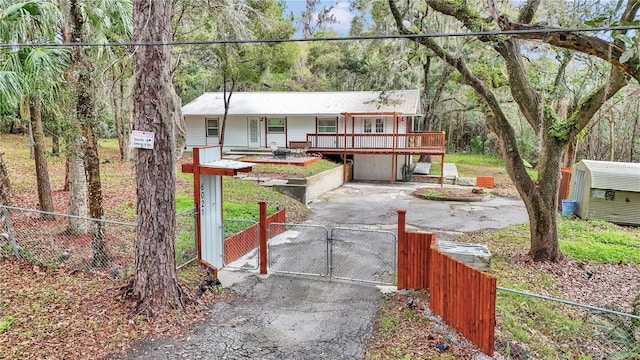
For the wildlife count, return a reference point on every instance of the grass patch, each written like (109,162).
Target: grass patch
(6,322)
(596,241)
(550,330)
(539,324)
(295,171)
(241,199)
(184,203)
(472,165)
(388,322)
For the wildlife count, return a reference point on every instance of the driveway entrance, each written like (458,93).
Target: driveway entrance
(287,317)
(349,254)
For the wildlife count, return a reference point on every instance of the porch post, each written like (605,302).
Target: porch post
(197,200)
(394,139)
(402,250)
(263,237)
(344,155)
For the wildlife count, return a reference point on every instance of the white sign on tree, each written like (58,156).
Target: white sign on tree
(142,139)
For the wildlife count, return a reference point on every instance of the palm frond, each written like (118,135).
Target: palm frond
(10,88)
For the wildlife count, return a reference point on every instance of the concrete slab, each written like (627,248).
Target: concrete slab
(233,157)
(272,182)
(450,170)
(230,277)
(253,178)
(422,168)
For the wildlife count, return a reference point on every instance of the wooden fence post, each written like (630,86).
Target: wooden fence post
(402,250)
(263,237)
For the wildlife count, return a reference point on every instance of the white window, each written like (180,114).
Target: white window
(327,126)
(275,126)
(212,126)
(379,125)
(368,125)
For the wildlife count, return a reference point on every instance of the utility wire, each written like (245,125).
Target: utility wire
(332,38)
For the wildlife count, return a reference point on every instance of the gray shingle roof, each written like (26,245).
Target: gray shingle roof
(406,102)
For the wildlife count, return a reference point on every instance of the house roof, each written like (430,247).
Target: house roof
(614,175)
(405,102)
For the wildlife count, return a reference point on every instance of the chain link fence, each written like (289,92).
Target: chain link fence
(530,326)
(364,255)
(186,246)
(61,240)
(299,249)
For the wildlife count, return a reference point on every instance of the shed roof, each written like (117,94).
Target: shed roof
(306,103)
(614,175)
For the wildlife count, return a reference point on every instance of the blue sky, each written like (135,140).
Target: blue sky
(340,11)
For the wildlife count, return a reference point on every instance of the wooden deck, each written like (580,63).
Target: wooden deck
(423,143)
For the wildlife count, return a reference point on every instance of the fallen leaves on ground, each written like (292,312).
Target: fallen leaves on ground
(50,313)
(413,332)
(450,193)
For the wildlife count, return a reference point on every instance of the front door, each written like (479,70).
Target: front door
(254,132)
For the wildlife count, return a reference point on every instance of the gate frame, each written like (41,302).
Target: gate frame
(329,240)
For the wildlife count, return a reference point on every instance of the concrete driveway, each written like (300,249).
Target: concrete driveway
(376,205)
(278,317)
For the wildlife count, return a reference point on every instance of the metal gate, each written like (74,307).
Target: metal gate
(351,254)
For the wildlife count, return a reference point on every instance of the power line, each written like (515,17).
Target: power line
(332,38)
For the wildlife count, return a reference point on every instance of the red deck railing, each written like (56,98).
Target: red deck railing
(432,142)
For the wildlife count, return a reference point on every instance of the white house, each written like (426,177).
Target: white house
(374,129)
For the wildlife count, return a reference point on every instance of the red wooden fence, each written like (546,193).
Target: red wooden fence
(239,244)
(464,297)
(461,295)
(565,182)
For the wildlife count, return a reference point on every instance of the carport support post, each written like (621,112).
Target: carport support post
(263,237)
(402,250)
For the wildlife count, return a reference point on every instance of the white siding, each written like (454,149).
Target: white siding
(196,131)
(236,133)
(279,139)
(298,127)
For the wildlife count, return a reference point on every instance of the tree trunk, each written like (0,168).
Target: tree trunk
(634,133)
(77,191)
(541,200)
(121,123)
(5,185)
(612,141)
(569,154)
(85,110)
(65,185)
(155,283)
(45,199)
(226,96)
(32,147)
(55,145)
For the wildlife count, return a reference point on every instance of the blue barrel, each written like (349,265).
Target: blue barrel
(569,208)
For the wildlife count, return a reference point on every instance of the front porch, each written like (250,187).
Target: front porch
(406,144)
(419,143)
